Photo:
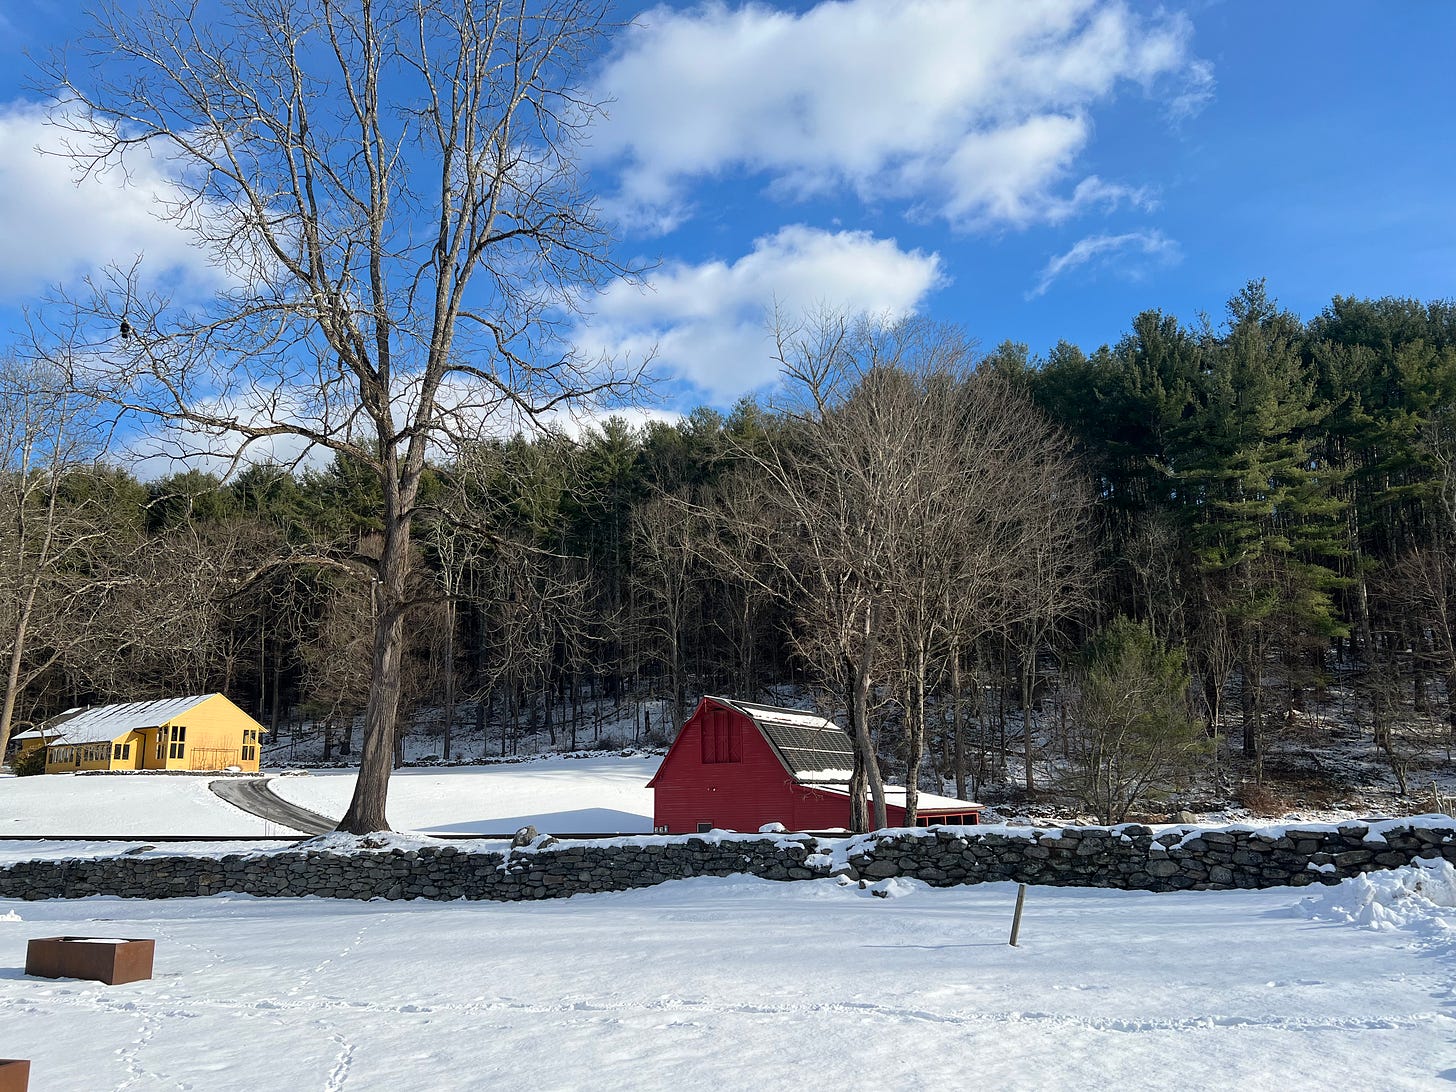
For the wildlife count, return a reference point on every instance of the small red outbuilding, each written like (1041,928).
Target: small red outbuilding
(738,765)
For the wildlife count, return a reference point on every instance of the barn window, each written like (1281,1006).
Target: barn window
(704,827)
(722,741)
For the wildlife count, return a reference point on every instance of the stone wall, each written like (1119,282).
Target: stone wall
(1130,857)
(544,870)
(1169,859)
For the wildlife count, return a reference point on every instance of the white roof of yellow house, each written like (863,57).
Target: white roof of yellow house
(37,733)
(103,723)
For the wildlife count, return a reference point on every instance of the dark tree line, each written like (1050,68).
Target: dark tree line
(926,536)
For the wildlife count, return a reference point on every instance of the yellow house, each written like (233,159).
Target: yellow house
(205,732)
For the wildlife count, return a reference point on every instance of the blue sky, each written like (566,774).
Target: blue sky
(1030,169)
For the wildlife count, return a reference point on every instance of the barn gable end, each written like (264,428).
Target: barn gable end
(718,771)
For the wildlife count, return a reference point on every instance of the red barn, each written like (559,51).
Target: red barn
(737,765)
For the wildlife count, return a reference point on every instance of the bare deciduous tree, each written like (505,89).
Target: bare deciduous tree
(61,555)
(895,508)
(388,190)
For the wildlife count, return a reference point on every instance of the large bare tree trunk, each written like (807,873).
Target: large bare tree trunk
(376,761)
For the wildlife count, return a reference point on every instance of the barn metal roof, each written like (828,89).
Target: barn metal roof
(103,723)
(814,749)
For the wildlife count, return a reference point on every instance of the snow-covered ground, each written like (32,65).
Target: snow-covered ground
(145,804)
(558,795)
(736,983)
(601,794)
(746,984)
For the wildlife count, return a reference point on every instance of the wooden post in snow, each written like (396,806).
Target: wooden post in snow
(1016,918)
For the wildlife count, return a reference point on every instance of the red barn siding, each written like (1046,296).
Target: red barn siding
(721,773)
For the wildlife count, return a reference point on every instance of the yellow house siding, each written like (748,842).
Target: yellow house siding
(211,736)
(67,758)
(127,751)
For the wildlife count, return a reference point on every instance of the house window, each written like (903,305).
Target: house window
(178,744)
(119,750)
(722,741)
(161,742)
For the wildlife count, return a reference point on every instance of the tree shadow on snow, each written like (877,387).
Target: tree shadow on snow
(582,821)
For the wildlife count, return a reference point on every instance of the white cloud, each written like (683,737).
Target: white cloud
(977,111)
(1110,251)
(53,228)
(708,322)
(576,423)
(1197,92)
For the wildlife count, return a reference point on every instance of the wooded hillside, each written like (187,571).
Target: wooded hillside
(939,542)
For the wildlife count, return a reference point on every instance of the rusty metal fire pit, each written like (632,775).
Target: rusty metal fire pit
(100,959)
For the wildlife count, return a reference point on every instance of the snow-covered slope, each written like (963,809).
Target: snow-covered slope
(741,984)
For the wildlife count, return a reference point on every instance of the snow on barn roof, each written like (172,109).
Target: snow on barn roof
(813,748)
(104,723)
(925,802)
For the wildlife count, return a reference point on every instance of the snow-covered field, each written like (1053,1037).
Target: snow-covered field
(598,795)
(71,804)
(734,984)
(746,984)
(604,794)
